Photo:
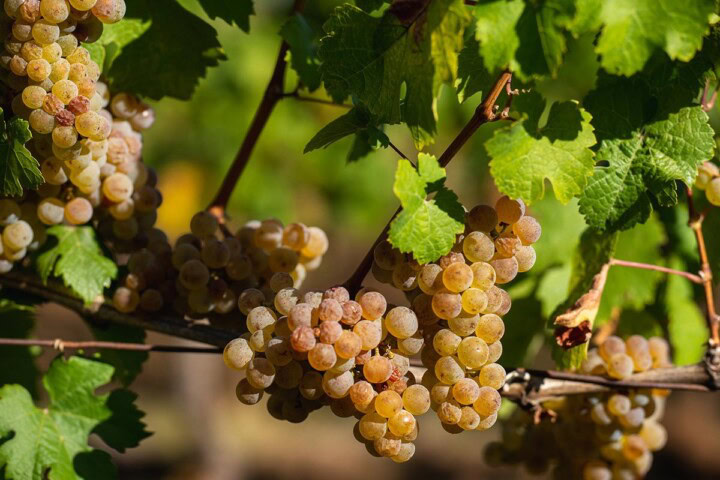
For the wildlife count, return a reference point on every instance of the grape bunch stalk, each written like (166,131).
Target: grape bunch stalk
(609,436)
(355,353)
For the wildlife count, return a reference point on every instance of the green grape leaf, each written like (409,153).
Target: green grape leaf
(633,31)
(303,43)
(525,37)
(95,464)
(357,121)
(425,228)
(473,77)
(18,168)
(687,331)
(591,256)
(562,226)
(375,59)
(235,11)
(170,57)
(78,259)
(127,364)
(524,324)
(552,288)
(17,321)
(124,428)
(643,154)
(114,37)
(524,154)
(50,438)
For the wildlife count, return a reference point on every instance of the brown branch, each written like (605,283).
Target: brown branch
(177,327)
(646,266)
(273,94)
(484,113)
(63,345)
(400,153)
(695,222)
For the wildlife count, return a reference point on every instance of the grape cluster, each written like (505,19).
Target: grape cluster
(354,354)
(708,179)
(609,436)
(210,270)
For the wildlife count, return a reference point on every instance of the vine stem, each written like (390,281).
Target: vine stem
(647,266)
(62,345)
(273,94)
(695,222)
(484,113)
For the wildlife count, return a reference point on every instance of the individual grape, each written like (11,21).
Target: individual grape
(492,375)
(78,211)
(478,247)
(404,277)
(348,345)
(183,253)
(117,187)
(452,257)
(486,422)
(445,342)
(466,391)
(407,450)
(377,369)
(448,370)
(18,235)
(446,305)
(449,412)
(482,218)
(474,301)
(322,357)
(38,70)
(386,256)
(596,470)
(237,354)
(301,314)
(525,257)
(509,211)
(369,332)
(151,300)
(317,245)
(618,404)
(593,364)
(352,312)
(337,385)
(247,394)
(411,346)
(372,426)
(416,399)
(283,260)
(402,423)
(280,281)
(51,211)
(200,302)
(41,122)
(633,419)
(311,385)
(125,300)
(611,346)
(464,324)
(469,419)
(660,352)
(362,394)
(528,230)
(203,224)
(506,247)
(194,275)
(33,96)
(401,322)
(506,269)
(620,366)
(473,352)
(65,137)
(339,294)
(387,446)
(314,299)
(260,372)
(9,212)
(457,277)
(490,328)
(285,300)
(330,310)
(303,339)
(488,402)
(373,305)
(214,253)
(440,393)
(261,318)
(329,332)
(388,403)
(430,278)
(712,191)
(654,435)
(706,172)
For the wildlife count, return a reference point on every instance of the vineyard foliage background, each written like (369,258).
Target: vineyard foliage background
(609,124)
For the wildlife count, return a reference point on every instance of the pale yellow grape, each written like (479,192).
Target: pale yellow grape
(337,385)
(286,299)
(78,211)
(620,366)
(369,333)
(449,412)
(473,352)
(362,393)
(33,96)
(117,187)
(322,357)
(488,402)
(373,305)
(440,393)
(125,300)
(448,370)
(41,122)
(612,345)
(706,172)
(492,375)
(654,435)
(247,394)
(457,277)
(430,278)
(402,423)
(660,352)
(474,301)
(317,244)
(260,372)
(10,212)
(377,369)
(22,30)
(596,470)
(38,70)
(506,269)
(387,446)
(14,255)
(401,322)
(491,328)
(372,426)
(509,211)
(295,236)
(528,230)
(464,324)
(478,247)
(599,414)
(388,403)
(65,137)
(466,391)
(446,342)
(31,51)
(525,257)
(469,419)
(283,260)
(18,235)
(486,422)
(51,211)
(633,419)
(237,354)
(411,346)
(482,218)
(618,404)
(407,450)
(348,345)
(261,318)
(416,399)
(712,191)
(446,305)
(65,91)
(92,125)
(54,11)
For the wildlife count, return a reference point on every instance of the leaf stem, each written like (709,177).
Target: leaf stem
(62,345)
(484,113)
(273,94)
(646,266)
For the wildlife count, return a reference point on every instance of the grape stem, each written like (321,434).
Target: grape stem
(484,113)
(273,94)
(646,266)
(62,345)
(706,103)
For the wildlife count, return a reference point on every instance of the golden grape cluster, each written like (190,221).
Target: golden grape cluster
(598,436)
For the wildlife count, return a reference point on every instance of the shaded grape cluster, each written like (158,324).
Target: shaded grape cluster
(604,436)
